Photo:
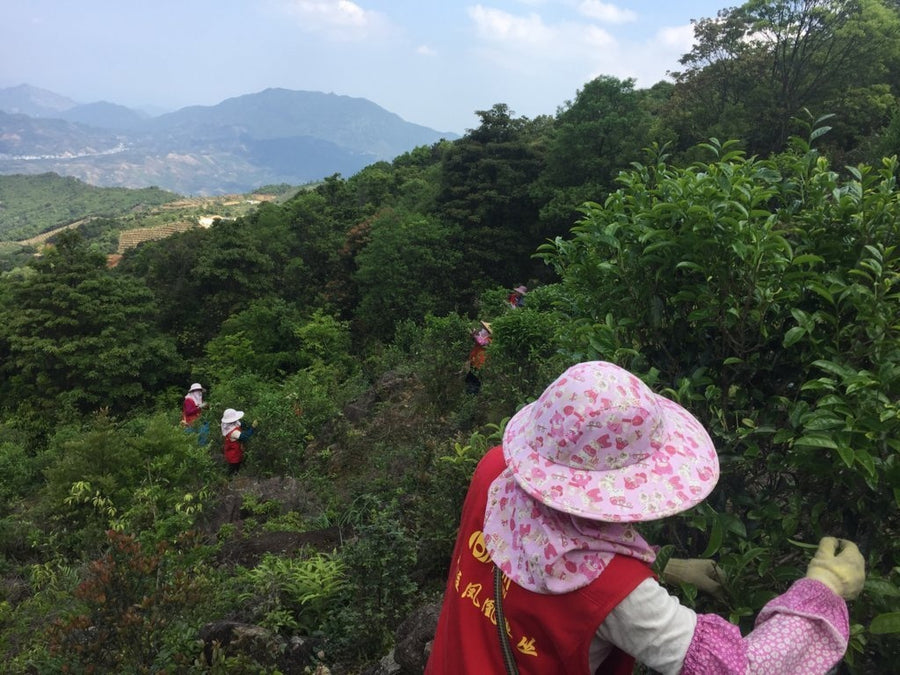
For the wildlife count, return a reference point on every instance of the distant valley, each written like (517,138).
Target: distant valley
(273,136)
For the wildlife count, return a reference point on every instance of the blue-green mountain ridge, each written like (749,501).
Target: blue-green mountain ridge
(273,136)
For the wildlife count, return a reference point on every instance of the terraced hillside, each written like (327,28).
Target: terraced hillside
(131,238)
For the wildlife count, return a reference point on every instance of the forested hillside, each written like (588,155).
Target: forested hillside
(734,246)
(30,205)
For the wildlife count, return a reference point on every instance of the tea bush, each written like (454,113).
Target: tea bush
(145,475)
(762,295)
(380,591)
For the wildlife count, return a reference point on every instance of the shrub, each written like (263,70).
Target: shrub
(760,294)
(435,351)
(19,471)
(24,623)
(134,605)
(89,481)
(145,475)
(291,595)
(522,358)
(380,591)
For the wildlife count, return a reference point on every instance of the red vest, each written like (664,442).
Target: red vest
(190,412)
(549,634)
(233,450)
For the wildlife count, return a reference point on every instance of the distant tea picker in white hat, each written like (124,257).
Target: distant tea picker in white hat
(193,404)
(235,433)
(516,297)
(547,549)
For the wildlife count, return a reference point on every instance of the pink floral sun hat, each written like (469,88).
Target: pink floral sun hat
(599,444)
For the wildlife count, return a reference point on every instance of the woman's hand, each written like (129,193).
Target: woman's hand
(839,565)
(701,572)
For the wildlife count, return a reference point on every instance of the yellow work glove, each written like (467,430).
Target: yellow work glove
(255,424)
(701,572)
(843,572)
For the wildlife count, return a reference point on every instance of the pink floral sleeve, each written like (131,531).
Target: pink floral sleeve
(804,631)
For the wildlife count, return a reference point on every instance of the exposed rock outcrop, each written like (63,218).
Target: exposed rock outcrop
(286,495)
(413,644)
(248,551)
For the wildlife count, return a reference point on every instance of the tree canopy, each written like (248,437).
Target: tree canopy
(77,336)
(757,66)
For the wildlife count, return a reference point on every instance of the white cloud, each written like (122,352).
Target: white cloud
(666,46)
(338,19)
(525,42)
(680,38)
(557,52)
(605,12)
(595,37)
(425,50)
(496,25)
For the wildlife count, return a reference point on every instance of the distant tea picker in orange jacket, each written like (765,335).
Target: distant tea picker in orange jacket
(549,575)
(477,357)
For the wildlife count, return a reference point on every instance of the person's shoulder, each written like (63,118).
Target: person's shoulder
(493,461)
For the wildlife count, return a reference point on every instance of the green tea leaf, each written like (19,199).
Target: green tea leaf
(817,441)
(715,539)
(793,336)
(884,624)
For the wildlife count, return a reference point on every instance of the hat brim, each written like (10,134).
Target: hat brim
(678,474)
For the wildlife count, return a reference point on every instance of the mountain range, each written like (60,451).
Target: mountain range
(273,136)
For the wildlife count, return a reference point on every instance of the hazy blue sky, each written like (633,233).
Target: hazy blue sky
(433,62)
